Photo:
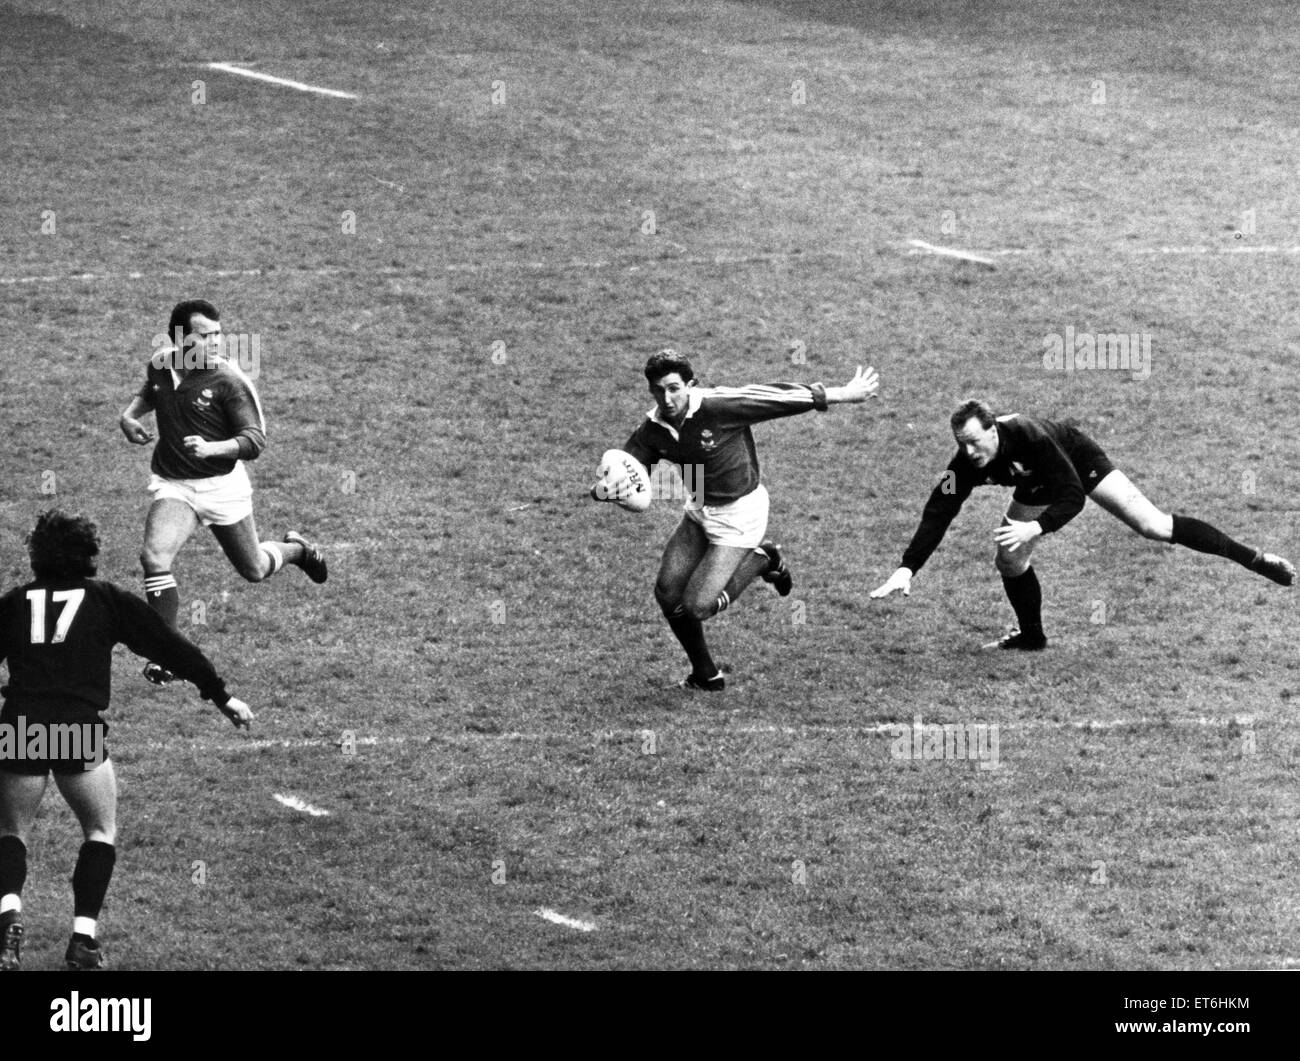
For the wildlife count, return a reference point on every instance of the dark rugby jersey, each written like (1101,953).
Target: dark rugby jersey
(214,403)
(1033,455)
(58,637)
(715,437)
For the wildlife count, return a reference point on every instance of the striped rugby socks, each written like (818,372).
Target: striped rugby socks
(162,595)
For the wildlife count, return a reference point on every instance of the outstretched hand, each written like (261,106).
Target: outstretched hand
(900,579)
(863,385)
(239,713)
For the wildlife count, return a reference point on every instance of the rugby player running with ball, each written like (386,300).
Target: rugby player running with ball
(720,546)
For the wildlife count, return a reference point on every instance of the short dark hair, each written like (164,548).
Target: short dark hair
(183,311)
(976,408)
(63,546)
(666,362)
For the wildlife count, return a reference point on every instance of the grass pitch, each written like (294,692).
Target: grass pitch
(456,279)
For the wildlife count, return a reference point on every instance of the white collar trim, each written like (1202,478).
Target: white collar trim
(693,401)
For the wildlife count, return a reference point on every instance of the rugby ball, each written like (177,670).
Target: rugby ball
(624,480)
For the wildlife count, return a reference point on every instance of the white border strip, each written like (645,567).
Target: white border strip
(879,729)
(231,68)
(75,277)
(952,252)
(568,922)
(294,803)
(630,265)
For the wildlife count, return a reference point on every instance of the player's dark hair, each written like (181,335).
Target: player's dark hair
(976,408)
(666,362)
(183,311)
(63,546)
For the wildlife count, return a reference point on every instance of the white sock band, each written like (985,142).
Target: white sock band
(273,551)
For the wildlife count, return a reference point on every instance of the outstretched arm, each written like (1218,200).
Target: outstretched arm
(945,501)
(143,631)
(900,579)
(771,401)
(863,385)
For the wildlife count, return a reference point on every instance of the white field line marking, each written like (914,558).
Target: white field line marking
(875,729)
(294,803)
(581,265)
(952,252)
(74,277)
(1216,250)
(231,68)
(568,922)
(1035,251)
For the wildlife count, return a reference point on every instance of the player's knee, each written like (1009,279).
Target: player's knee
(668,597)
(253,568)
(253,571)
(1159,528)
(1010,565)
(154,560)
(698,608)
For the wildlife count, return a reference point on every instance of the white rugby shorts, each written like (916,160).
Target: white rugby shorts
(220,499)
(742,523)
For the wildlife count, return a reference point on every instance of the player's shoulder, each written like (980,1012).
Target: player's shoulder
(94,587)
(227,373)
(159,360)
(719,392)
(722,401)
(17,593)
(1020,426)
(1037,429)
(108,593)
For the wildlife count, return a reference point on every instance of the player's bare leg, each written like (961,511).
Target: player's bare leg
(253,560)
(20,799)
(682,554)
(93,798)
(1020,582)
(167,527)
(1117,494)
(720,577)
(257,560)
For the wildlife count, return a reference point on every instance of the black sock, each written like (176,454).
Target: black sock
(161,594)
(90,878)
(690,633)
(1026,597)
(1201,536)
(13,865)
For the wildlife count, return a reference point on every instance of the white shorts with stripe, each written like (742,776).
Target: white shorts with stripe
(219,499)
(741,523)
